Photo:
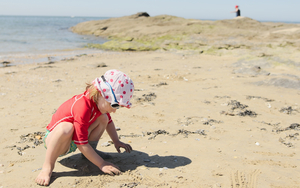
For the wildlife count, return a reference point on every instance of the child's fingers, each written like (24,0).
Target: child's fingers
(116,167)
(118,149)
(111,173)
(115,170)
(112,170)
(130,147)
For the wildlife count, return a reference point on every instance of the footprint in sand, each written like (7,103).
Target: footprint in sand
(242,180)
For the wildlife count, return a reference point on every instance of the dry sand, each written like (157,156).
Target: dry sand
(189,125)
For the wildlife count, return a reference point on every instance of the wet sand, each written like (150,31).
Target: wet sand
(197,120)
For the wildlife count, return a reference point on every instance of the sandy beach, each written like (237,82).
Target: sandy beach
(229,119)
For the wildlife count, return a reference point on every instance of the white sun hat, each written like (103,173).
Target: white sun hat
(121,85)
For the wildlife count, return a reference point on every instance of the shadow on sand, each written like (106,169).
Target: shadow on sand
(125,161)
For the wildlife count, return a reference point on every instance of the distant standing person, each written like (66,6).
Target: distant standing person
(237,11)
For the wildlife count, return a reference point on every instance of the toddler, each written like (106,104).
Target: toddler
(80,122)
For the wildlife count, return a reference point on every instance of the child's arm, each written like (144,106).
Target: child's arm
(92,156)
(111,130)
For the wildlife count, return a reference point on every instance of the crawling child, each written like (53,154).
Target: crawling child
(80,122)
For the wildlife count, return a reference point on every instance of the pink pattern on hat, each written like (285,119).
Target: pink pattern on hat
(121,84)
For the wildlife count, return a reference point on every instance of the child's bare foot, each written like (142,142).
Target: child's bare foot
(44,177)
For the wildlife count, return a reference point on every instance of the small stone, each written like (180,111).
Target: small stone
(129,141)
(256,143)
(147,160)
(38,137)
(105,144)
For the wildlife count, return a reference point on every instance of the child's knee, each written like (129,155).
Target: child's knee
(103,119)
(66,129)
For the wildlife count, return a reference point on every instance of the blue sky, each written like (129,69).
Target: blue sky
(262,10)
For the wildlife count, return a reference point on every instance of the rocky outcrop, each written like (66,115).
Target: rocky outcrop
(141,32)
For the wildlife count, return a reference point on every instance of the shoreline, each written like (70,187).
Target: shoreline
(20,58)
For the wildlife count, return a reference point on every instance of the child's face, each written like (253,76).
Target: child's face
(104,106)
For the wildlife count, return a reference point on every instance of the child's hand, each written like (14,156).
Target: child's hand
(119,144)
(110,168)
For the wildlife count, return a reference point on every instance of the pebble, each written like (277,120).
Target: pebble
(256,143)
(164,168)
(118,128)
(105,144)
(1,165)
(36,169)
(129,141)
(147,160)
(38,137)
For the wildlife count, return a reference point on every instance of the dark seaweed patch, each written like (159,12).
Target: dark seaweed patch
(247,113)
(287,110)
(146,97)
(236,105)
(258,97)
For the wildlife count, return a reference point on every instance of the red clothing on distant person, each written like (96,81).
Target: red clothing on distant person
(81,111)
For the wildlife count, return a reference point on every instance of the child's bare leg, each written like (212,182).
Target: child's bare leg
(98,127)
(57,142)
(95,132)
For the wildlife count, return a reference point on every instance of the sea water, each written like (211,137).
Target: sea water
(38,33)
(28,35)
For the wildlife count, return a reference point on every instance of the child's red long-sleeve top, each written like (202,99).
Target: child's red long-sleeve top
(81,111)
